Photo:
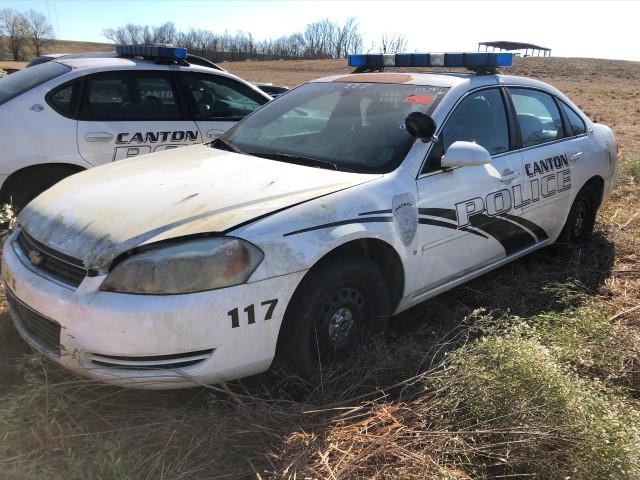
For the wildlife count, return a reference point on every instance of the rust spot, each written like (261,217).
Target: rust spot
(376,78)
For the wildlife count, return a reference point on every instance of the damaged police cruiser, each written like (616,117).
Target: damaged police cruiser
(307,225)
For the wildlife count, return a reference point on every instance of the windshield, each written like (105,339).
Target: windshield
(345,126)
(17,83)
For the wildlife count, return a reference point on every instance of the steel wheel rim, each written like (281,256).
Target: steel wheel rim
(343,314)
(579,224)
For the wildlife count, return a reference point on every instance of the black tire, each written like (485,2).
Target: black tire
(21,189)
(582,218)
(337,307)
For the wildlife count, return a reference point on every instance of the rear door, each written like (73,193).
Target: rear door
(548,154)
(129,113)
(218,102)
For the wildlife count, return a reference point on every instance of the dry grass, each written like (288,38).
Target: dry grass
(531,371)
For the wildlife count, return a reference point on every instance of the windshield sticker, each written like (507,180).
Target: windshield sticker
(405,216)
(418,99)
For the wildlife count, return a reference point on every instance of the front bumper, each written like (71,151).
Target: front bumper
(148,341)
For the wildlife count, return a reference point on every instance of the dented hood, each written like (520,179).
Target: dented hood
(96,215)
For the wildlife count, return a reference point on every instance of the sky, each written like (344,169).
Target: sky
(578,28)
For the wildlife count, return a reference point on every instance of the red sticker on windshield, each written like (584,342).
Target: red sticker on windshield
(419,99)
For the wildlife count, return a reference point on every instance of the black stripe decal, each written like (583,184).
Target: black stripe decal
(447,213)
(341,222)
(536,229)
(375,212)
(438,223)
(470,230)
(512,237)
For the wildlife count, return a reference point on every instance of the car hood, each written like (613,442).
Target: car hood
(96,215)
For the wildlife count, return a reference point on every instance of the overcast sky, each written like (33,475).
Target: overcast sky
(581,28)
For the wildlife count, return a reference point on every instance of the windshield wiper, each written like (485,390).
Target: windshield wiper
(291,158)
(225,145)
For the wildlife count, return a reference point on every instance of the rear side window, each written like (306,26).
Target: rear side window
(65,99)
(20,82)
(577,124)
(130,96)
(538,116)
(215,97)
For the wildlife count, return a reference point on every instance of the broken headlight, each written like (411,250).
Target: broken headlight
(185,267)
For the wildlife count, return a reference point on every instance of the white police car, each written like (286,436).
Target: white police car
(306,225)
(78,111)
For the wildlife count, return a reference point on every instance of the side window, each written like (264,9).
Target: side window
(538,116)
(120,96)
(479,118)
(64,99)
(215,97)
(577,124)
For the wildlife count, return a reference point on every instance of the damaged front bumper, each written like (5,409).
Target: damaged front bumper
(148,341)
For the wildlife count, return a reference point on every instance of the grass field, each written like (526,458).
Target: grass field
(53,46)
(531,371)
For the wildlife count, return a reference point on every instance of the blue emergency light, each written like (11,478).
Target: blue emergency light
(152,51)
(473,61)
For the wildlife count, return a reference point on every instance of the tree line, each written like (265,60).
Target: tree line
(325,38)
(22,30)
(321,39)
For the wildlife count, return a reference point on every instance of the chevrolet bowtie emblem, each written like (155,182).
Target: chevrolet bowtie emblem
(35,257)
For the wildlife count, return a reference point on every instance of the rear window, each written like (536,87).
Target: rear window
(17,83)
(577,124)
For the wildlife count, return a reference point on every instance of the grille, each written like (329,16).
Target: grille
(159,362)
(45,333)
(59,266)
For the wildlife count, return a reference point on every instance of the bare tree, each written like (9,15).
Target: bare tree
(395,43)
(116,35)
(39,30)
(165,33)
(13,25)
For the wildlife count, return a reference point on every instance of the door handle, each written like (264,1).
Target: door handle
(98,137)
(575,156)
(213,134)
(508,175)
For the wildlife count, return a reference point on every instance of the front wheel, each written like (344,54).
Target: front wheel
(581,220)
(333,312)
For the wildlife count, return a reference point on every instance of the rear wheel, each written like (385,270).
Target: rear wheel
(338,306)
(581,220)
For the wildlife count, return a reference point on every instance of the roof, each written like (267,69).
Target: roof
(110,60)
(507,45)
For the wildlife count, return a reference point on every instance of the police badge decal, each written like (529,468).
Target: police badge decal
(405,216)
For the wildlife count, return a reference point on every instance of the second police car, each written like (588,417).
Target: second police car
(304,227)
(78,111)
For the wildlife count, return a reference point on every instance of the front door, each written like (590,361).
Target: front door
(471,216)
(125,114)
(218,102)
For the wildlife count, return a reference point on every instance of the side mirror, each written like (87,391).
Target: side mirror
(420,125)
(465,154)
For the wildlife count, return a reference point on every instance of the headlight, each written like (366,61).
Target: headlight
(186,267)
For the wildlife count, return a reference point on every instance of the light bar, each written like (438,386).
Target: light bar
(474,60)
(151,51)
